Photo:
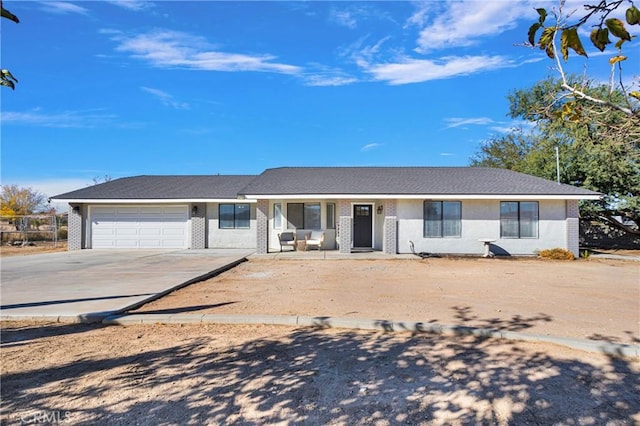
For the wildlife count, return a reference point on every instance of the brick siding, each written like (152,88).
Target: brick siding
(198,227)
(573,227)
(262,227)
(74,235)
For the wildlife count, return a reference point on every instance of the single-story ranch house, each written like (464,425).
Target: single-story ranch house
(439,209)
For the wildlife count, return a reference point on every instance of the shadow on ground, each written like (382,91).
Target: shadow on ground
(318,376)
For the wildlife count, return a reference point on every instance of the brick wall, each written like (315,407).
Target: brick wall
(344,226)
(390,230)
(573,227)
(74,236)
(262,227)
(198,226)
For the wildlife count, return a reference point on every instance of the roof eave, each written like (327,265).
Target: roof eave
(426,196)
(149,200)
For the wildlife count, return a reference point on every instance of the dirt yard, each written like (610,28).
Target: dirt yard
(212,374)
(39,247)
(157,374)
(594,299)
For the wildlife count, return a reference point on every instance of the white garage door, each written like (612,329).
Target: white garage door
(139,227)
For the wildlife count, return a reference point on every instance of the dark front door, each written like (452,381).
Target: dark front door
(362,225)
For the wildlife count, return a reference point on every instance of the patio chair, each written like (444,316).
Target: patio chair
(315,239)
(287,239)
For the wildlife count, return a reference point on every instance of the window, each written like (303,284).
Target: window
(331,216)
(233,216)
(442,219)
(312,216)
(277,216)
(519,219)
(303,215)
(295,215)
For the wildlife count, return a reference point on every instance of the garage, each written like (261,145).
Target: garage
(149,227)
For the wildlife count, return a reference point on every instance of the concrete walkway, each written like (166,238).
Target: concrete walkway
(90,285)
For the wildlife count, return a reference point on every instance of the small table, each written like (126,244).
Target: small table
(301,245)
(487,246)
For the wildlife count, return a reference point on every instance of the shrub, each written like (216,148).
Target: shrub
(62,234)
(556,254)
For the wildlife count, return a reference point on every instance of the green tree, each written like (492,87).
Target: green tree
(599,148)
(6,78)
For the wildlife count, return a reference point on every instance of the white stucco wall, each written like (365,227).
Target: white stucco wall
(230,238)
(481,219)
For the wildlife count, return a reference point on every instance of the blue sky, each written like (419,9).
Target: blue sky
(125,88)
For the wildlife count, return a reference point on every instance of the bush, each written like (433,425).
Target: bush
(62,234)
(556,254)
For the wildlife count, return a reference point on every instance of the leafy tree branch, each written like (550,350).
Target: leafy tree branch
(6,78)
(566,32)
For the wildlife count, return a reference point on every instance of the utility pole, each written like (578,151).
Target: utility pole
(558,165)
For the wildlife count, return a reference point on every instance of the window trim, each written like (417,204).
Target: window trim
(441,219)
(519,218)
(235,216)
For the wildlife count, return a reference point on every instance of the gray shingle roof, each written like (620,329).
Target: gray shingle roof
(329,180)
(163,187)
(404,181)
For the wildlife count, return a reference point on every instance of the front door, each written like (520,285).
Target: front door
(362,225)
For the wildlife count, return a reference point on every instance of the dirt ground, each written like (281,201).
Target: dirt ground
(213,374)
(156,374)
(39,247)
(592,299)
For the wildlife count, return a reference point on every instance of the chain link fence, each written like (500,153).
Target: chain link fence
(37,229)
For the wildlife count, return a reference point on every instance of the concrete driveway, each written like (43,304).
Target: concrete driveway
(88,285)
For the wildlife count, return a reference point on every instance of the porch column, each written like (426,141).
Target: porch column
(198,225)
(390,230)
(344,226)
(74,233)
(262,227)
(573,227)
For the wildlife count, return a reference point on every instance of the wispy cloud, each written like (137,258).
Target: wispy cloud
(165,98)
(321,75)
(513,126)
(344,17)
(353,14)
(65,119)
(167,48)
(458,122)
(320,80)
(462,23)
(410,70)
(420,16)
(63,8)
(370,146)
(361,53)
(135,5)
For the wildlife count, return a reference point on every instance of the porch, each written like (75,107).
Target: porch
(348,224)
(331,255)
